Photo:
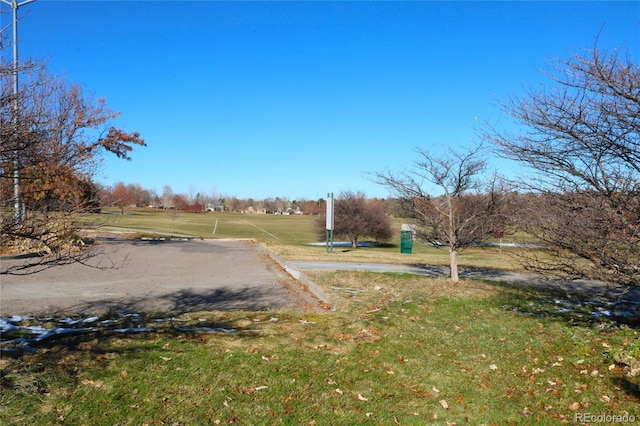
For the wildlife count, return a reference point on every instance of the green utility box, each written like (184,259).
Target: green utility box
(406,242)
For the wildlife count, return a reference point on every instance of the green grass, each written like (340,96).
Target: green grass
(399,349)
(396,349)
(289,237)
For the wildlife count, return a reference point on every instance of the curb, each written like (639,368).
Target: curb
(298,275)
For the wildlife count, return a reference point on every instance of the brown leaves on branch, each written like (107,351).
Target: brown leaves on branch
(120,143)
(52,138)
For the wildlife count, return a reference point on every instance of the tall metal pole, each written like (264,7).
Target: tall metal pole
(14,4)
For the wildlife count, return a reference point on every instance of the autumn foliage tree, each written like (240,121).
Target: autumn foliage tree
(54,140)
(356,217)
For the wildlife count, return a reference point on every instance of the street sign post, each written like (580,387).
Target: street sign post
(330,223)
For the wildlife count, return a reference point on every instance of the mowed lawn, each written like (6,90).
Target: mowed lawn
(292,237)
(392,349)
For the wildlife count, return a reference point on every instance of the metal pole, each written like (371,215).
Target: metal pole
(16,163)
(330,223)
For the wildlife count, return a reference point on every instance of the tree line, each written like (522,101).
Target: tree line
(578,191)
(124,196)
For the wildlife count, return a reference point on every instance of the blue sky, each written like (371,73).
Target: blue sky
(298,99)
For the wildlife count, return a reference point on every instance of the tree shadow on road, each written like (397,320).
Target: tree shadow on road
(187,300)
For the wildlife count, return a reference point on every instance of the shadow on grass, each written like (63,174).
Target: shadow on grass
(127,317)
(573,308)
(632,389)
(59,344)
(89,342)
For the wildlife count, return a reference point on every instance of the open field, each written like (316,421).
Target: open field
(290,236)
(396,349)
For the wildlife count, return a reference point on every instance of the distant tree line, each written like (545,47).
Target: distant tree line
(125,196)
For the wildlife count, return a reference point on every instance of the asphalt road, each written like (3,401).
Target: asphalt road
(195,275)
(157,275)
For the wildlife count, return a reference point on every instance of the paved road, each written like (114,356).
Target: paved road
(576,286)
(204,275)
(157,275)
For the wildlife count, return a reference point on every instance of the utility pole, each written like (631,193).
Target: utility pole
(14,4)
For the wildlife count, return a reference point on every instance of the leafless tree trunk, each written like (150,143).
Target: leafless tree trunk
(460,214)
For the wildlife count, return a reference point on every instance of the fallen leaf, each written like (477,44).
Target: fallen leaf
(339,391)
(444,404)
(493,367)
(362,398)
(164,358)
(580,387)
(615,369)
(574,406)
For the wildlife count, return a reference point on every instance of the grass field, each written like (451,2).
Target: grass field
(290,236)
(397,349)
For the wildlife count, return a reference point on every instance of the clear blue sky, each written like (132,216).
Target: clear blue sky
(298,99)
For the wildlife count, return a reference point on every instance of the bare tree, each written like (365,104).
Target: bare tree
(460,215)
(167,197)
(357,217)
(581,145)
